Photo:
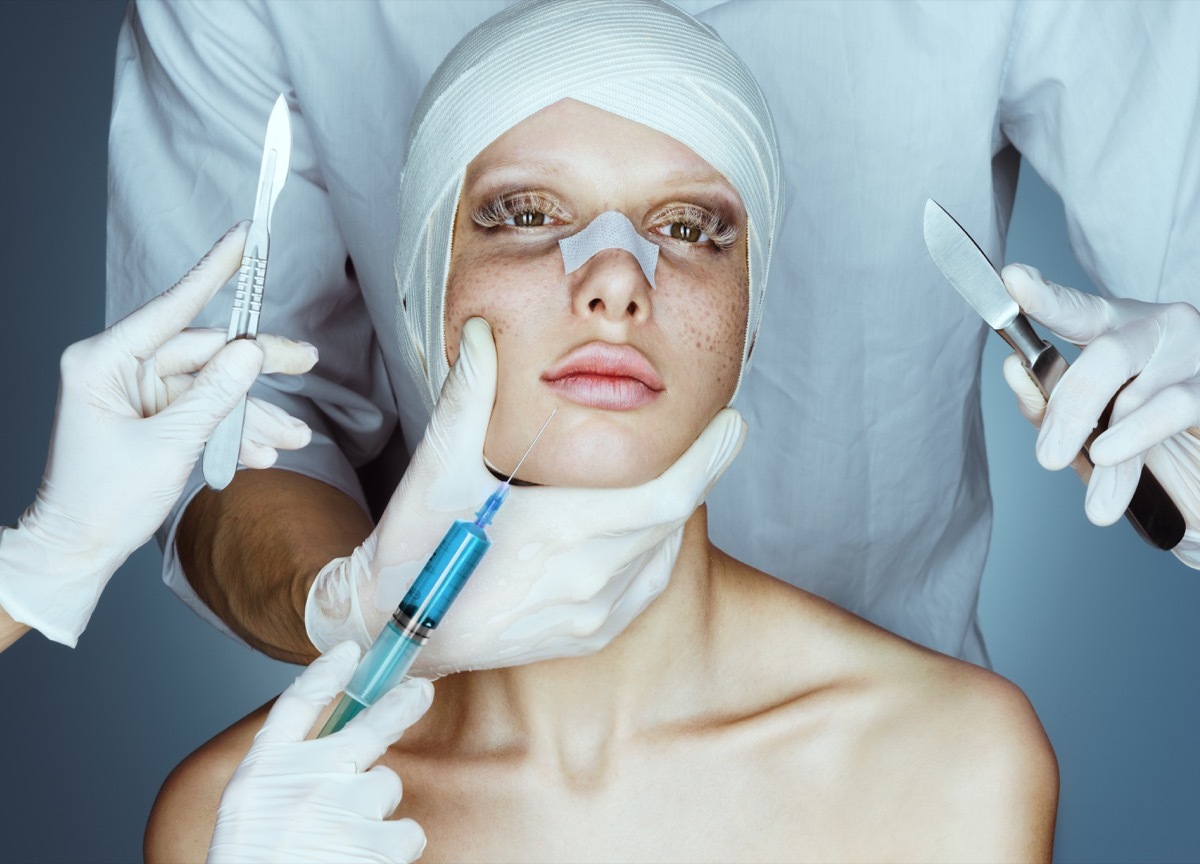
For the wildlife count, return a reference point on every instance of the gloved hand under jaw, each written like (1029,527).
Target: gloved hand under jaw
(568,569)
(1154,419)
(130,422)
(293,799)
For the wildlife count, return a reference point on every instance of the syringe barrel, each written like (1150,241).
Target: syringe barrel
(392,653)
(385,664)
(444,575)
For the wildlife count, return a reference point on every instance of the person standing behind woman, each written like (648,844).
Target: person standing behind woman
(737,717)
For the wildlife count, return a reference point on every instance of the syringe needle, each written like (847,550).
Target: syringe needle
(531,443)
(483,517)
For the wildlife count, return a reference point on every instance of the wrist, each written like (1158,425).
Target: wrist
(10,629)
(47,584)
(333,608)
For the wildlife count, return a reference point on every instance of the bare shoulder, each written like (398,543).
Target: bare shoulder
(943,759)
(979,760)
(185,812)
(960,753)
(1002,773)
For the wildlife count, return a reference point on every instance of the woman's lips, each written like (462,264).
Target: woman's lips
(603,375)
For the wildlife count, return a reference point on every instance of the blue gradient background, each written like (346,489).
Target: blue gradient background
(1093,625)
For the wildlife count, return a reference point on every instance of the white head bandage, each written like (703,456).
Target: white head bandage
(609,230)
(643,60)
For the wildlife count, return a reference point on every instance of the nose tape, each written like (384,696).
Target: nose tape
(609,230)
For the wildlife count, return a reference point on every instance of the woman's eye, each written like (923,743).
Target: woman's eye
(685,231)
(521,210)
(526,219)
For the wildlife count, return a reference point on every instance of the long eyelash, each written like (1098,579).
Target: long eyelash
(722,233)
(507,205)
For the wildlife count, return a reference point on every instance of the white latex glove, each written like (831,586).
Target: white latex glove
(1154,419)
(568,570)
(131,420)
(293,799)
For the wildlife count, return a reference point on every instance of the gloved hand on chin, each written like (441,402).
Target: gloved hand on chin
(131,420)
(569,568)
(1154,419)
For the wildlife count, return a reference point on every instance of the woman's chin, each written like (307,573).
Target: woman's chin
(598,462)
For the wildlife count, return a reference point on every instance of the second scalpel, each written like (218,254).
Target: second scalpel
(221,452)
(392,653)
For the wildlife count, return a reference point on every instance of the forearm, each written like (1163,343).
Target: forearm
(252,551)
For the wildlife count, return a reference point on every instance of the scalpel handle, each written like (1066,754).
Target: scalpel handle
(221,451)
(1151,511)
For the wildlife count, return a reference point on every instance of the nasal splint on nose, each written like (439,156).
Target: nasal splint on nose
(609,230)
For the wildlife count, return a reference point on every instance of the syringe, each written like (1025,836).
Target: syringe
(392,653)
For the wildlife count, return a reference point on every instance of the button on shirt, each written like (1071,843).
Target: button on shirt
(864,476)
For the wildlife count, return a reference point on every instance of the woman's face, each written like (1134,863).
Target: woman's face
(635,372)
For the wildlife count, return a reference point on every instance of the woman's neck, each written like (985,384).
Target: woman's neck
(655,673)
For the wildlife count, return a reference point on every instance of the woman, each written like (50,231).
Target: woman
(736,718)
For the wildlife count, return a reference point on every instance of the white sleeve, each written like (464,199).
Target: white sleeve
(194,86)
(1103,100)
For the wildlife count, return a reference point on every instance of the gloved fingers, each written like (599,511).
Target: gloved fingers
(1071,314)
(1033,405)
(618,603)
(214,391)
(403,839)
(675,493)
(296,710)
(269,426)
(1163,415)
(1172,335)
(464,406)
(189,350)
(1103,368)
(374,794)
(1029,398)
(257,456)
(367,736)
(286,356)
(1111,489)
(142,331)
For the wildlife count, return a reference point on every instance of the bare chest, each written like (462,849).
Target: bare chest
(713,805)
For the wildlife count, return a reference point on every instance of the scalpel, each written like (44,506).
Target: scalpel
(221,452)
(1151,512)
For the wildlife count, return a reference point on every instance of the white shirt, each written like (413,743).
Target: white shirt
(864,478)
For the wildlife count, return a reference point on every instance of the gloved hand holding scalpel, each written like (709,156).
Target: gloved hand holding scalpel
(130,423)
(1148,356)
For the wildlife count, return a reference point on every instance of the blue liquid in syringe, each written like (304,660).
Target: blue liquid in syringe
(392,653)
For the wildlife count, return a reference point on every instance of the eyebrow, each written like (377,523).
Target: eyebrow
(511,172)
(710,181)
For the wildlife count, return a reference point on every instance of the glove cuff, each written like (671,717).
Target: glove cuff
(49,587)
(1188,550)
(333,611)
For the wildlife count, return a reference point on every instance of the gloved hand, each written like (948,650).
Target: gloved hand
(568,570)
(130,422)
(1154,419)
(293,799)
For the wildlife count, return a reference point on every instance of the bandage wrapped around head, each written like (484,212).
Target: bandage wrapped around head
(643,60)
